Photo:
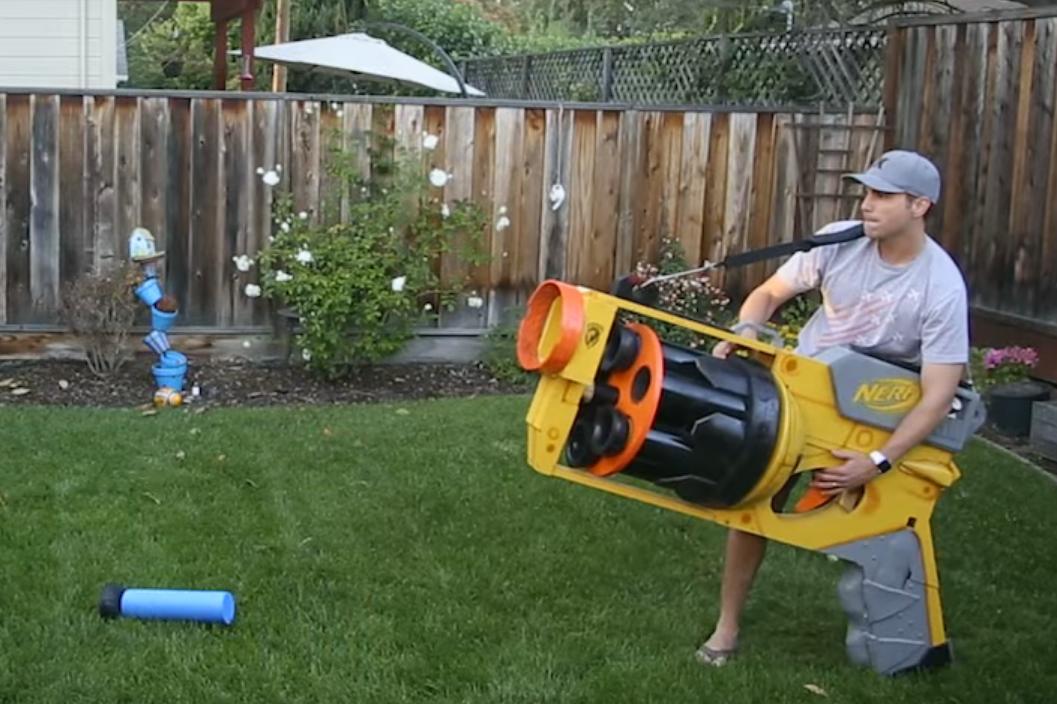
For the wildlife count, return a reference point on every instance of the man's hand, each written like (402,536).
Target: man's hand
(758,308)
(856,471)
(723,348)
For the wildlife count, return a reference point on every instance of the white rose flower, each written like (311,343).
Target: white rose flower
(305,257)
(438,177)
(253,290)
(398,283)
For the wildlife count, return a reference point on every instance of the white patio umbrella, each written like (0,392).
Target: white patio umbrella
(363,56)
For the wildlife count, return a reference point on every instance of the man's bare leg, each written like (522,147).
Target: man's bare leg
(743,557)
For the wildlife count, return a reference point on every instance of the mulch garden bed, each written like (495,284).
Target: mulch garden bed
(225,383)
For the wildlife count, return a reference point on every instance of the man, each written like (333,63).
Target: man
(894,293)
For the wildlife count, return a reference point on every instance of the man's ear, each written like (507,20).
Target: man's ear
(920,207)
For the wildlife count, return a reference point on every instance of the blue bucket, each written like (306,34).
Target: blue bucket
(173,377)
(149,291)
(160,320)
(171,359)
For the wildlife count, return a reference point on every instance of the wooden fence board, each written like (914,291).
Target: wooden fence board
(484,152)
(581,195)
(1037,145)
(264,144)
(715,246)
(761,198)
(127,165)
(101,157)
(1000,176)
(604,201)
(533,199)
(786,184)
(44,249)
(555,213)
(305,157)
(693,179)
(18,135)
(505,211)
(648,236)
(154,165)
(177,237)
(236,168)
(631,205)
(740,166)
(207,212)
(3,209)
(72,237)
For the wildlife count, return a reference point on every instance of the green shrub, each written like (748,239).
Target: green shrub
(359,287)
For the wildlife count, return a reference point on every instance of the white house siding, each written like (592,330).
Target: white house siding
(58,43)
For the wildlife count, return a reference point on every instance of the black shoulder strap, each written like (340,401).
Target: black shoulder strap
(802,245)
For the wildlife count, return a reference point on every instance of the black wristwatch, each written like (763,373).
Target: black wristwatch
(880,461)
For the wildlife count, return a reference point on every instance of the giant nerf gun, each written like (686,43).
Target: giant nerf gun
(619,409)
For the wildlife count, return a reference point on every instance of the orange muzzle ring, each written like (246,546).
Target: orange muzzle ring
(551,329)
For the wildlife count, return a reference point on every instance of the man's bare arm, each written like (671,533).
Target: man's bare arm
(939,382)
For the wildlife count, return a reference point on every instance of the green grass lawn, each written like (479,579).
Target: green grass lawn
(408,553)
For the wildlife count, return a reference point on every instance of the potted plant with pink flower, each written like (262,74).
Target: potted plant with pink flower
(1004,374)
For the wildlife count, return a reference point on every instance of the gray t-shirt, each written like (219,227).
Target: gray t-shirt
(916,313)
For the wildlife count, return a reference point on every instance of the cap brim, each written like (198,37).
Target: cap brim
(876,183)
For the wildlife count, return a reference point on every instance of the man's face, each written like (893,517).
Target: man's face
(888,214)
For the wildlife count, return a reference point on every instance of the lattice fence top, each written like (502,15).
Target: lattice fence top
(828,67)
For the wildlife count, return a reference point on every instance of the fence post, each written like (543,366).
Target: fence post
(607,74)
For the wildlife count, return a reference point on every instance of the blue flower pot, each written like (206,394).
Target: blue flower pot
(160,320)
(158,342)
(173,377)
(171,359)
(149,291)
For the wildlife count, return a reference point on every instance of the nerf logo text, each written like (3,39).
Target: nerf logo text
(888,395)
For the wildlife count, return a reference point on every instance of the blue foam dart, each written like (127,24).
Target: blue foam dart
(170,604)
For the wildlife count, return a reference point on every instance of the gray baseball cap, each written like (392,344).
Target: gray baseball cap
(901,171)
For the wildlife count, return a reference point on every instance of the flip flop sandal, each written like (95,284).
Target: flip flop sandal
(713,657)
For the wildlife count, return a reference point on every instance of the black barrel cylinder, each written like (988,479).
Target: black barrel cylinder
(715,429)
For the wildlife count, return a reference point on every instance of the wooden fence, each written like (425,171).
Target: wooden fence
(79,172)
(978,95)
